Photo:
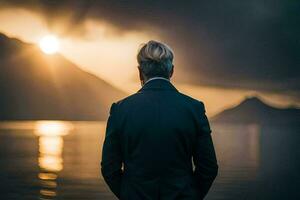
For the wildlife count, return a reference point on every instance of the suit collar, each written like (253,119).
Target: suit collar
(158,84)
(154,78)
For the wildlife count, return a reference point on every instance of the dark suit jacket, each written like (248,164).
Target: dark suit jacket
(152,137)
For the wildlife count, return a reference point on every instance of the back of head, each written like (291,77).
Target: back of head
(155,59)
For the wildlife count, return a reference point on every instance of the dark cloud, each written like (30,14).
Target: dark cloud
(237,44)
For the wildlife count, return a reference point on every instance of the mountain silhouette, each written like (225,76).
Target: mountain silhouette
(35,86)
(254,111)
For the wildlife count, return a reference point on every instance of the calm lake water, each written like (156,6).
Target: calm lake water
(60,160)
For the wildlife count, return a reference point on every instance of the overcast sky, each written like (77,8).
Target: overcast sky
(251,45)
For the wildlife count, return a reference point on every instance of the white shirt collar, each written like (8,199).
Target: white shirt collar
(154,78)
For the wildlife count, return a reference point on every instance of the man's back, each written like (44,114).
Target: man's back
(155,133)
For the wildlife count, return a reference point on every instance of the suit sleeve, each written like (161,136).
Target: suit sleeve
(111,164)
(204,157)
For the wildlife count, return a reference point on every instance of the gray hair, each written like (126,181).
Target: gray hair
(155,59)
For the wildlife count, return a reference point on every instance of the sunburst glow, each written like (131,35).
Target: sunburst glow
(49,44)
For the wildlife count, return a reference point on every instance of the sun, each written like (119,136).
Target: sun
(49,44)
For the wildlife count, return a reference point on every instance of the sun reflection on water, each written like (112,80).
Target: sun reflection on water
(52,128)
(50,135)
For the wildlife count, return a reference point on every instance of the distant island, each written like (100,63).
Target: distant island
(254,111)
(35,86)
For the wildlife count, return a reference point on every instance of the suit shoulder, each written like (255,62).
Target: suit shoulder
(192,100)
(126,99)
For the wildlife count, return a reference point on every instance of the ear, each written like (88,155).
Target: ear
(172,71)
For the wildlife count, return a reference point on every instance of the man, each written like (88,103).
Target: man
(153,136)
